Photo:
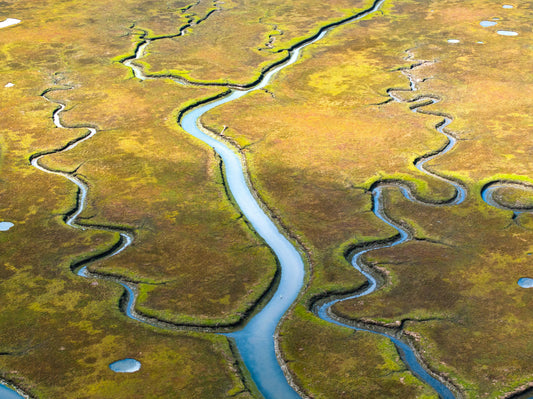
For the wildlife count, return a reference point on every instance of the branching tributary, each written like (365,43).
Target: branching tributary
(323,307)
(256,342)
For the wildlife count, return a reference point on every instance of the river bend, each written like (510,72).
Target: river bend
(323,308)
(256,342)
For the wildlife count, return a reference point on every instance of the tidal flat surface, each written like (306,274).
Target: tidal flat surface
(315,143)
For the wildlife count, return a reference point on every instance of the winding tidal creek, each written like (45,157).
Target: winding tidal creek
(323,308)
(257,340)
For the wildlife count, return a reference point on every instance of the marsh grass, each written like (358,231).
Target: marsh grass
(317,139)
(314,143)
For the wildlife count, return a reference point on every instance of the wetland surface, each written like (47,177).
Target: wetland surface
(300,199)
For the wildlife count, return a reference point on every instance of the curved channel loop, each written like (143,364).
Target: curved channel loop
(126,236)
(489,191)
(323,307)
(70,218)
(145,40)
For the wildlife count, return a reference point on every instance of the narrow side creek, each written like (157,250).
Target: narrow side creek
(256,341)
(489,191)
(407,353)
(126,237)
(70,218)
(323,307)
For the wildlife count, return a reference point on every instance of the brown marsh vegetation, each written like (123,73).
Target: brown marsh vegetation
(314,141)
(328,141)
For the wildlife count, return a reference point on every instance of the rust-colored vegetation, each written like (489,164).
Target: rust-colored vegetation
(315,141)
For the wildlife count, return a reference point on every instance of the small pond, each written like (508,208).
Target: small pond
(507,33)
(125,366)
(5,226)
(525,282)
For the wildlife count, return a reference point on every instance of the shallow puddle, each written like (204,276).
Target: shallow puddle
(5,226)
(125,366)
(525,282)
(507,33)
(508,6)
(486,24)
(9,85)
(9,22)
(453,41)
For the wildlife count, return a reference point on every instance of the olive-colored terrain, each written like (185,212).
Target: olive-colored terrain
(315,141)
(454,286)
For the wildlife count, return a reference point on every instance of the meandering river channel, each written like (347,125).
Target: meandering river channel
(256,341)
(323,308)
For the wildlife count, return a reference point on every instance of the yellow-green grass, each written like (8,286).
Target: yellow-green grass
(352,365)
(59,332)
(229,46)
(143,171)
(59,335)
(467,280)
(45,307)
(313,149)
(316,140)
(315,171)
(187,232)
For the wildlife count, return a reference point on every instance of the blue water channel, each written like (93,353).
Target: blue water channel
(255,342)
(406,352)
(324,309)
